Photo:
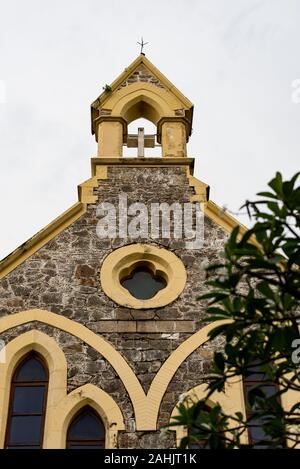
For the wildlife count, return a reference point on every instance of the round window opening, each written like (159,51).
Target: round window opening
(142,276)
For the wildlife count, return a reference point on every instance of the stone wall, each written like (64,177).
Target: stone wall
(141,74)
(63,277)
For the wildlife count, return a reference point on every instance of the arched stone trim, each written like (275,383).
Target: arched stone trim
(231,401)
(60,407)
(160,260)
(120,365)
(164,376)
(55,361)
(146,407)
(99,400)
(123,100)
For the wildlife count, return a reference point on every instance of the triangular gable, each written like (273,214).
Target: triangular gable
(140,70)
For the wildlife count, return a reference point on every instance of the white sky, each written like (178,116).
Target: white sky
(234,59)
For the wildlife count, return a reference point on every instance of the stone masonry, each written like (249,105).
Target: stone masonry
(63,277)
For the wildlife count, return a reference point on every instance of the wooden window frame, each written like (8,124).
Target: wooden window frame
(250,383)
(85,442)
(18,384)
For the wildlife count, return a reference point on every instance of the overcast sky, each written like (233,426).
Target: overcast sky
(236,60)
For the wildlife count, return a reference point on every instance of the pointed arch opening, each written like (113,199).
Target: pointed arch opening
(86,430)
(27,404)
(141,100)
(150,145)
(257,378)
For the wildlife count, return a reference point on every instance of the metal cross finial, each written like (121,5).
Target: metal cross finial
(142,44)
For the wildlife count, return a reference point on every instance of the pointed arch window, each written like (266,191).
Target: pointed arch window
(256,377)
(86,431)
(27,408)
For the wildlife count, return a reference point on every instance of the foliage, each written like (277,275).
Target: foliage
(254,304)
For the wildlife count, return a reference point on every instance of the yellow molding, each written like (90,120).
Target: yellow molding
(212,210)
(231,401)
(59,224)
(89,337)
(221,217)
(39,240)
(201,189)
(86,191)
(67,408)
(226,221)
(14,351)
(123,260)
(170,366)
(60,407)
(146,407)
(141,60)
(120,101)
(98,163)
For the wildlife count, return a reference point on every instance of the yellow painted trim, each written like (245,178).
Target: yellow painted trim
(142,60)
(86,189)
(226,221)
(231,401)
(120,365)
(60,406)
(158,98)
(200,189)
(56,362)
(146,407)
(39,240)
(90,395)
(98,163)
(59,224)
(212,210)
(222,218)
(162,379)
(123,260)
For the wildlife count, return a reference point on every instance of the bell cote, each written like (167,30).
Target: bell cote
(141,91)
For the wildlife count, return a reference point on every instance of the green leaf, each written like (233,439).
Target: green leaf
(267,194)
(239,416)
(184,442)
(266,290)
(254,394)
(217,331)
(276,184)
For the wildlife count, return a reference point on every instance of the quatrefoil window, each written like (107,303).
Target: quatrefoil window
(142,276)
(143,284)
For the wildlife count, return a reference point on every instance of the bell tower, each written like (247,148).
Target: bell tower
(141,91)
(103,300)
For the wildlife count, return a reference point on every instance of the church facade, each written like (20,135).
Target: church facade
(99,315)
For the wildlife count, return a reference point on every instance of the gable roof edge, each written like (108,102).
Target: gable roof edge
(42,237)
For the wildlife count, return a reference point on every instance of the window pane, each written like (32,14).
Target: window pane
(257,433)
(28,399)
(142,284)
(269,390)
(26,430)
(255,373)
(87,427)
(32,370)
